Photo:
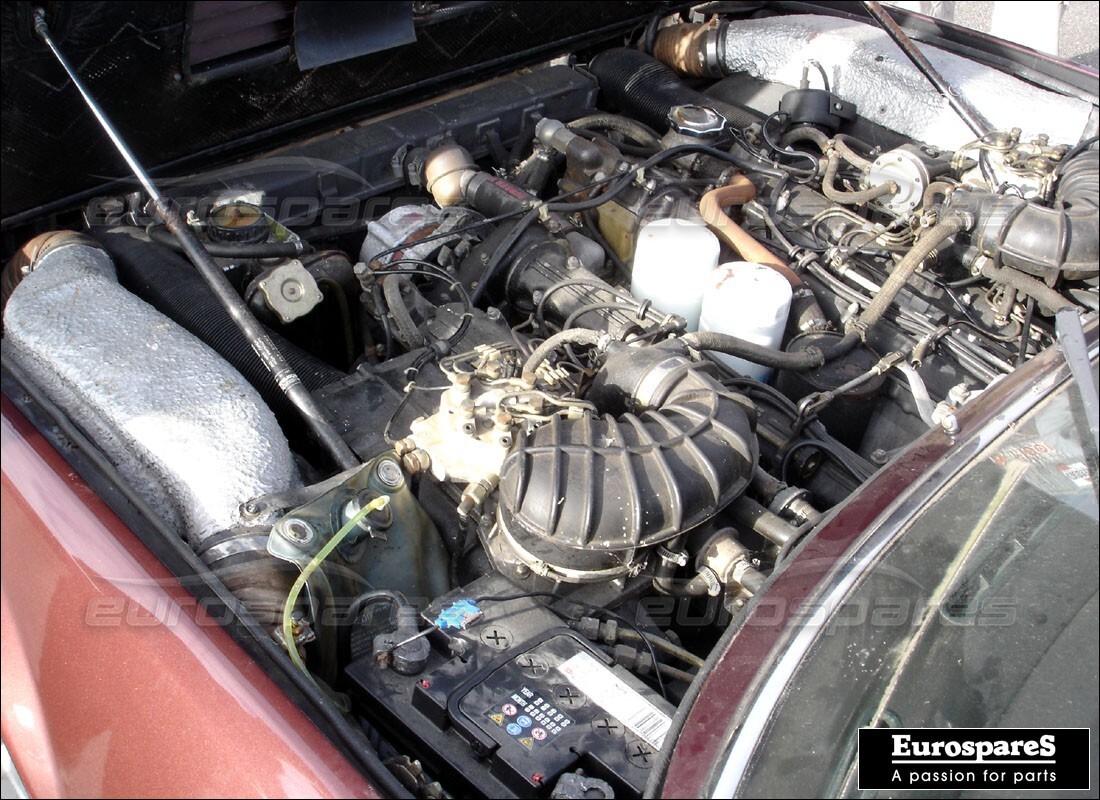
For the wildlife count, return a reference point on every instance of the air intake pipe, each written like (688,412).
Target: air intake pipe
(183,427)
(582,497)
(647,90)
(1045,242)
(168,282)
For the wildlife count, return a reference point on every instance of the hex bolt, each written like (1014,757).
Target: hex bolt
(416,461)
(296,530)
(389,473)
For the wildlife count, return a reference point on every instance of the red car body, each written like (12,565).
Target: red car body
(116,681)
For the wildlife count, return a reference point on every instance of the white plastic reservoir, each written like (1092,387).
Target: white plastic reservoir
(673,260)
(749,301)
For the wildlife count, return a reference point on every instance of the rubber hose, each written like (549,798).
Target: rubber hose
(819,138)
(256,578)
(805,134)
(1041,241)
(581,336)
(828,185)
(806,359)
(405,330)
(161,235)
(1045,296)
(168,282)
(848,154)
(904,269)
(625,125)
(661,644)
(676,674)
(646,89)
(688,49)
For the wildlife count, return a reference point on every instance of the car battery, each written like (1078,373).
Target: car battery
(513,702)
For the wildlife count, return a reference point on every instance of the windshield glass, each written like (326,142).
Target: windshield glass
(983,613)
(1063,29)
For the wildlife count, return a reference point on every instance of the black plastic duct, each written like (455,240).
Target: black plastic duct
(168,282)
(1043,241)
(582,495)
(646,89)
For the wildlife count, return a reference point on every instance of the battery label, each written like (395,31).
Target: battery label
(529,717)
(617,698)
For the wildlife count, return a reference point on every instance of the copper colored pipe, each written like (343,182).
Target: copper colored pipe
(738,192)
(684,49)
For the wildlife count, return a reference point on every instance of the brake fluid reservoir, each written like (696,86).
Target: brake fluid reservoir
(672,261)
(751,302)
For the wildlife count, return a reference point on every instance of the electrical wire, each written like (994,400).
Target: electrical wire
(384,320)
(776,147)
(440,347)
(358,605)
(506,244)
(336,291)
(591,609)
(1025,331)
(593,225)
(774,168)
(627,299)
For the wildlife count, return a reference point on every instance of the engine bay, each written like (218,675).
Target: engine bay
(600,341)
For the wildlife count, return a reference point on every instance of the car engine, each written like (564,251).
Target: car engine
(600,341)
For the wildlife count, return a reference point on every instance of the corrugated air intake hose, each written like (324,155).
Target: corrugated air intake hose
(168,282)
(582,496)
(646,89)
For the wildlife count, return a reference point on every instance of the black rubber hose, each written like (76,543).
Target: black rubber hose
(800,361)
(168,282)
(405,329)
(1045,242)
(640,133)
(646,89)
(1048,298)
(161,235)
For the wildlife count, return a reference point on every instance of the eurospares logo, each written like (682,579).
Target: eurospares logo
(974,758)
